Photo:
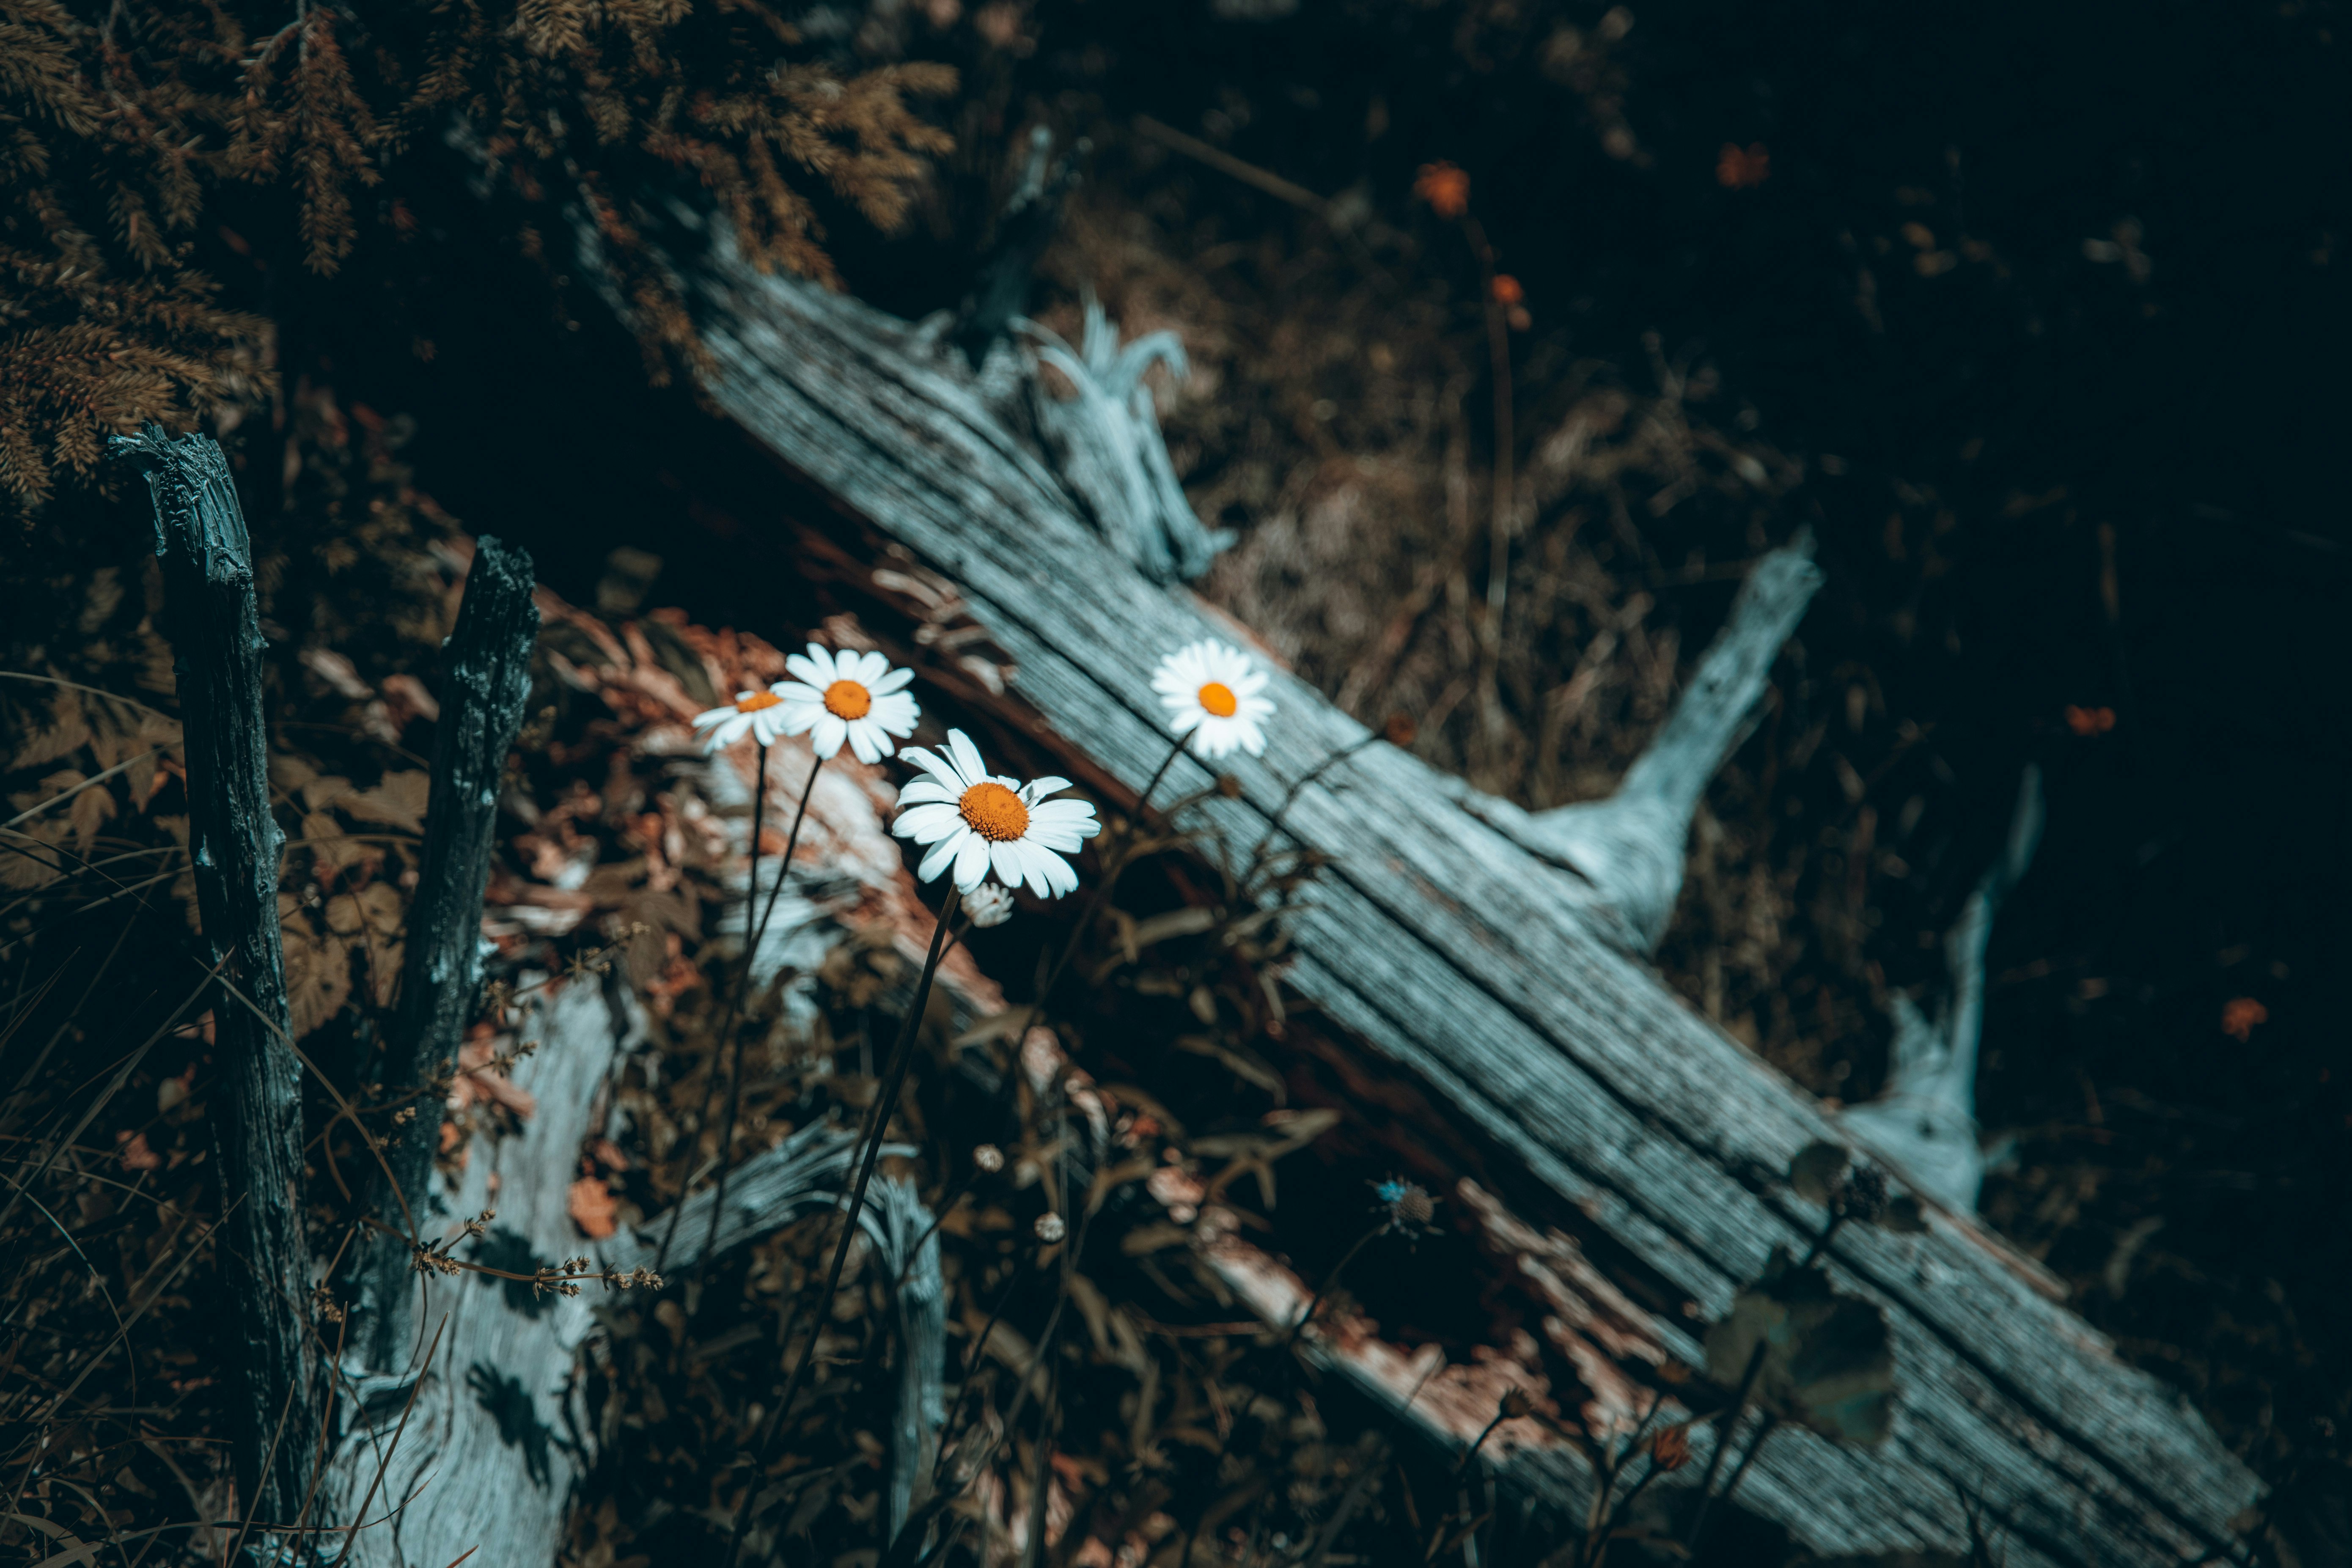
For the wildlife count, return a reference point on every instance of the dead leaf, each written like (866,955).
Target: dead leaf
(318,968)
(397,802)
(592,1208)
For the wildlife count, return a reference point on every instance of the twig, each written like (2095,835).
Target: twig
(1273,185)
(756,934)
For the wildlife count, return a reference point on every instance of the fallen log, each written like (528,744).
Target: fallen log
(1502,977)
(233,844)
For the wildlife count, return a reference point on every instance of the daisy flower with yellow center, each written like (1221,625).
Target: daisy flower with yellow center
(977,823)
(848,697)
(758,714)
(1211,694)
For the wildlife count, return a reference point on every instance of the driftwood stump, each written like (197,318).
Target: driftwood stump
(485,680)
(234,843)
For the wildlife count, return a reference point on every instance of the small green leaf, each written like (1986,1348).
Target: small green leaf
(1827,1364)
(1814,1173)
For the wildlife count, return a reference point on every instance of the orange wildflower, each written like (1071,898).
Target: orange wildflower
(2090,721)
(1445,189)
(2238,1017)
(1739,168)
(1506,290)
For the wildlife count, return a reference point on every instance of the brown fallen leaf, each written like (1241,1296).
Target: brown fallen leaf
(591,1209)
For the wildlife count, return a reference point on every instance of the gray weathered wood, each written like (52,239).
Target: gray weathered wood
(1631,845)
(233,844)
(485,1455)
(490,1453)
(485,678)
(1924,1120)
(1495,974)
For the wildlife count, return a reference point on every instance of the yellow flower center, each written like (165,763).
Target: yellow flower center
(847,700)
(1218,698)
(757,701)
(995,813)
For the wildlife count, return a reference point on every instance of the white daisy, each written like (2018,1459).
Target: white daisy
(852,697)
(977,823)
(1211,692)
(760,714)
(988,906)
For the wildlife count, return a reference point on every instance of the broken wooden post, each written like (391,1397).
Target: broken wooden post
(233,844)
(486,678)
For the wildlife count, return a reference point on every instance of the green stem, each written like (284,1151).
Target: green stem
(878,1123)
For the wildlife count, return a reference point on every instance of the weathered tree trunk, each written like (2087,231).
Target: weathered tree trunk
(486,679)
(234,843)
(1502,978)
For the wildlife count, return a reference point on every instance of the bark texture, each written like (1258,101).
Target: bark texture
(1501,976)
(486,678)
(234,843)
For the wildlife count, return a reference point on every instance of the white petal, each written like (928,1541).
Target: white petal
(816,666)
(941,854)
(926,823)
(1007,860)
(942,772)
(871,668)
(896,712)
(970,862)
(868,742)
(967,756)
(1036,790)
(828,734)
(1061,877)
(927,790)
(884,685)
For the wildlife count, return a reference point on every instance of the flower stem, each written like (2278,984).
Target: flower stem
(1470,1452)
(1739,1400)
(1329,1281)
(877,1123)
(785,871)
(728,1036)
